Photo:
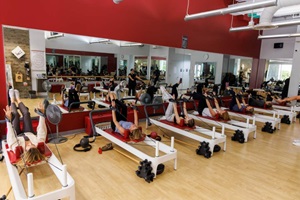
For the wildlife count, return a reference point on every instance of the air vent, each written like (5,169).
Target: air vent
(296,15)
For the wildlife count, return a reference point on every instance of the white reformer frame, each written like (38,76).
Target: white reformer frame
(215,137)
(66,180)
(275,121)
(246,127)
(287,110)
(170,151)
(277,113)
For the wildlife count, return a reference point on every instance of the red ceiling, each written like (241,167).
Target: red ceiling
(159,22)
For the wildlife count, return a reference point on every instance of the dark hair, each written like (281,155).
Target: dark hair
(191,123)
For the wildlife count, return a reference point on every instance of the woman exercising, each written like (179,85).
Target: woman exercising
(235,104)
(28,141)
(205,108)
(119,121)
(172,114)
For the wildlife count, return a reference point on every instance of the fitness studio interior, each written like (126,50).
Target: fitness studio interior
(163,60)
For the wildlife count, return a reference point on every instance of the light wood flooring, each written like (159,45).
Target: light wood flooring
(267,167)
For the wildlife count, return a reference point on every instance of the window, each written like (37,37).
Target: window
(279,70)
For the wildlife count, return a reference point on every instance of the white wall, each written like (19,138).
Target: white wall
(37,55)
(267,45)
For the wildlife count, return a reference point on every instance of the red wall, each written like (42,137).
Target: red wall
(158,22)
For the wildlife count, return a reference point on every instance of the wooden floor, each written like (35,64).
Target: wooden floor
(267,167)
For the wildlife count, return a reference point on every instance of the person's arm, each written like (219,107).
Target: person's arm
(176,115)
(136,117)
(217,105)
(289,99)
(114,118)
(184,110)
(129,76)
(238,103)
(211,110)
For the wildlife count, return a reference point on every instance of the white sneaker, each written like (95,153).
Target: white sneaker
(165,95)
(11,93)
(296,143)
(17,94)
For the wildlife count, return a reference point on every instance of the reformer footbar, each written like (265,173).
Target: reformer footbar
(169,152)
(209,136)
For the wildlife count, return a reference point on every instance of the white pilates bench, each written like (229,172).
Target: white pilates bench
(101,101)
(169,152)
(210,136)
(275,121)
(277,113)
(287,110)
(246,127)
(67,182)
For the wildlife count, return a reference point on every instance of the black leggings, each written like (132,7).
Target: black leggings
(27,122)
(121,113)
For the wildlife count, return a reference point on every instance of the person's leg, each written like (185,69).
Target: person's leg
(170,112)
(133,91)
(129,90)
(16,120)
(211,110)
(27,122)
(165,94)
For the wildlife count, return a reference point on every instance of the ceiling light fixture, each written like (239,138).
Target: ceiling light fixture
(279,36)
(280,23)
(100,41)
(132,45)
(232,9)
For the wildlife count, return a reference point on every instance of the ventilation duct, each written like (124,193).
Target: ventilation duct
(268,13)
(232,9)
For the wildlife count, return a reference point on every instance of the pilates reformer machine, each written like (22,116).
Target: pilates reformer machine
(60,170)
(238,126)
(272,122)
(245,127)
(73,106)
(277,112)
(163,152)
(206,137)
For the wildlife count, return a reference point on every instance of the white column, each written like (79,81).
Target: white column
(294,79)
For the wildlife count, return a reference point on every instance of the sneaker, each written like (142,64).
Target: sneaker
(107,147)
(39,112)
(17,94)
(11,93)
(296,143)
(165,94)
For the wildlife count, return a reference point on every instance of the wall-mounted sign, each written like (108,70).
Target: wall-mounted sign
(18,52)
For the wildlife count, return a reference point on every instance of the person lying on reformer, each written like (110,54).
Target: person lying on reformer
(259,99)
(236,105)
(205,108)
(119,121)
(172,114)
(25,138)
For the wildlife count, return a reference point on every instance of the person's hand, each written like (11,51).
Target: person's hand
(7,111)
